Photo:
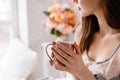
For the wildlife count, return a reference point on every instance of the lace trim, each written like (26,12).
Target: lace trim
(101,77)
(115,77)
(105,59)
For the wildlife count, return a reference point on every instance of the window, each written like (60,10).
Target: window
(5,24)
(5,10)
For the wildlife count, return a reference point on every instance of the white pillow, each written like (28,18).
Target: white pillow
(18,63)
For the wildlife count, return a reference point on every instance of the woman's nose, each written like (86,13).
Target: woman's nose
(76,1)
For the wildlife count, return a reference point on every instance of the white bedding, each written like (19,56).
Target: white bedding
(18,63)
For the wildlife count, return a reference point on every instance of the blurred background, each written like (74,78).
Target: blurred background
(26,21)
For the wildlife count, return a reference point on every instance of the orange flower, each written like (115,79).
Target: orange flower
(71,21)
(58,17)
(51,9)
(61,19)
(69,14)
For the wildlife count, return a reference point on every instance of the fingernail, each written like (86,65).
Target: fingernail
(74,42)
(51,62)
(52,48)
(52,55)
(53,43)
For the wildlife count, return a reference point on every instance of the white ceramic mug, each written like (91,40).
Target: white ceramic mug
(65,43)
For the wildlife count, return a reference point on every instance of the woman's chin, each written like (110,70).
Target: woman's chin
(85,15)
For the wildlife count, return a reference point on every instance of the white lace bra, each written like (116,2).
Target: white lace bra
(109,69)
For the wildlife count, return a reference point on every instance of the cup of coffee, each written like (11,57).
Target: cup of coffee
(47,48)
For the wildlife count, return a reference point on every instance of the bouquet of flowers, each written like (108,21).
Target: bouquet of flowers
(61,19)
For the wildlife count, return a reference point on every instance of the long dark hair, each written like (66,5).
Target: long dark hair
(90,23)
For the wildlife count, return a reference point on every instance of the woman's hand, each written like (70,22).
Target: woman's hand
(66,59)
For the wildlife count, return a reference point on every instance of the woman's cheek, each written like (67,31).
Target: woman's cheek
(86,7)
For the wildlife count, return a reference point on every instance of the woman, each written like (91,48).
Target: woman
(97,47)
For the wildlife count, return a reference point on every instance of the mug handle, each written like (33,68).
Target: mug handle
(47,52)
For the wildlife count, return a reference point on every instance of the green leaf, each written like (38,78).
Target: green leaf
(56,32)
(46,13)
(53,31)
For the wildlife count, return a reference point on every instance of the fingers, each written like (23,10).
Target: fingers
(76,47)
(51,62)
(65,49)
(58,66)
(61,53)
(63,57)
(52,55)
(62,60)
(53,43)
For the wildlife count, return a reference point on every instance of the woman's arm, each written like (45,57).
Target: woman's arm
(86,75)
(75,77)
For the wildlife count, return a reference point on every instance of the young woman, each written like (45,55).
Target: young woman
(97,46)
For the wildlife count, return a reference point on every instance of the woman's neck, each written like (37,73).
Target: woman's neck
(104,27)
